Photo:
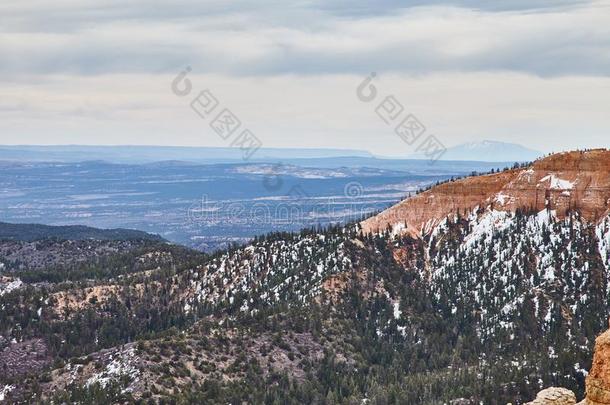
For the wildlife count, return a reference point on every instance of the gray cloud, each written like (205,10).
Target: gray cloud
(364,7)
(540,37)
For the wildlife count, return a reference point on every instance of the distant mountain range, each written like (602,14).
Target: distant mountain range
(149,154)
(488,151)
(485,151)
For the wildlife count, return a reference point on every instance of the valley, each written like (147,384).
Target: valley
(211,206)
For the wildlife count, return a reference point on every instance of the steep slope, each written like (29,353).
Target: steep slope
(562,182)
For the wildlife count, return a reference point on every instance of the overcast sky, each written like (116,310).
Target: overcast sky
(533,72)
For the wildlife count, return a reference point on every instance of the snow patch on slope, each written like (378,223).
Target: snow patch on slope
(558,184)
(6,288)
(484,227)
(5,390)
(603,237)
(120,366)
(502,198)
(397,311)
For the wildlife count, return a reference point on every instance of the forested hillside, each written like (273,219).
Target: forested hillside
(486,305)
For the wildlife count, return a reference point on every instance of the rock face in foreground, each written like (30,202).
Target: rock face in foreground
(598,380)
(562,182)
(554,396)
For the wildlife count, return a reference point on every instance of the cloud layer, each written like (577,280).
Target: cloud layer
(268,37)
(90,72)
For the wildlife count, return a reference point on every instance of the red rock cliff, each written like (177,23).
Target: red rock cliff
(562,182)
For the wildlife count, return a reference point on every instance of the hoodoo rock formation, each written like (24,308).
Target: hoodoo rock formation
(564,182)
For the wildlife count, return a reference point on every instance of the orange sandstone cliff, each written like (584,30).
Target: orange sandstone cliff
(561,182)
(597,386)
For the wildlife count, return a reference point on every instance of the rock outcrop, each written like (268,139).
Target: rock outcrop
(598,381)
(554,396)
(561,182)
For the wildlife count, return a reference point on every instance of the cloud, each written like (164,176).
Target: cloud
(365,7)
(541,37)
(310,111)
(535,72)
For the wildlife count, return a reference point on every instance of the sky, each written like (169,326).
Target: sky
(533,72)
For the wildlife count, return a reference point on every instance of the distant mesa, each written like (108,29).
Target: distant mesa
(140,154)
